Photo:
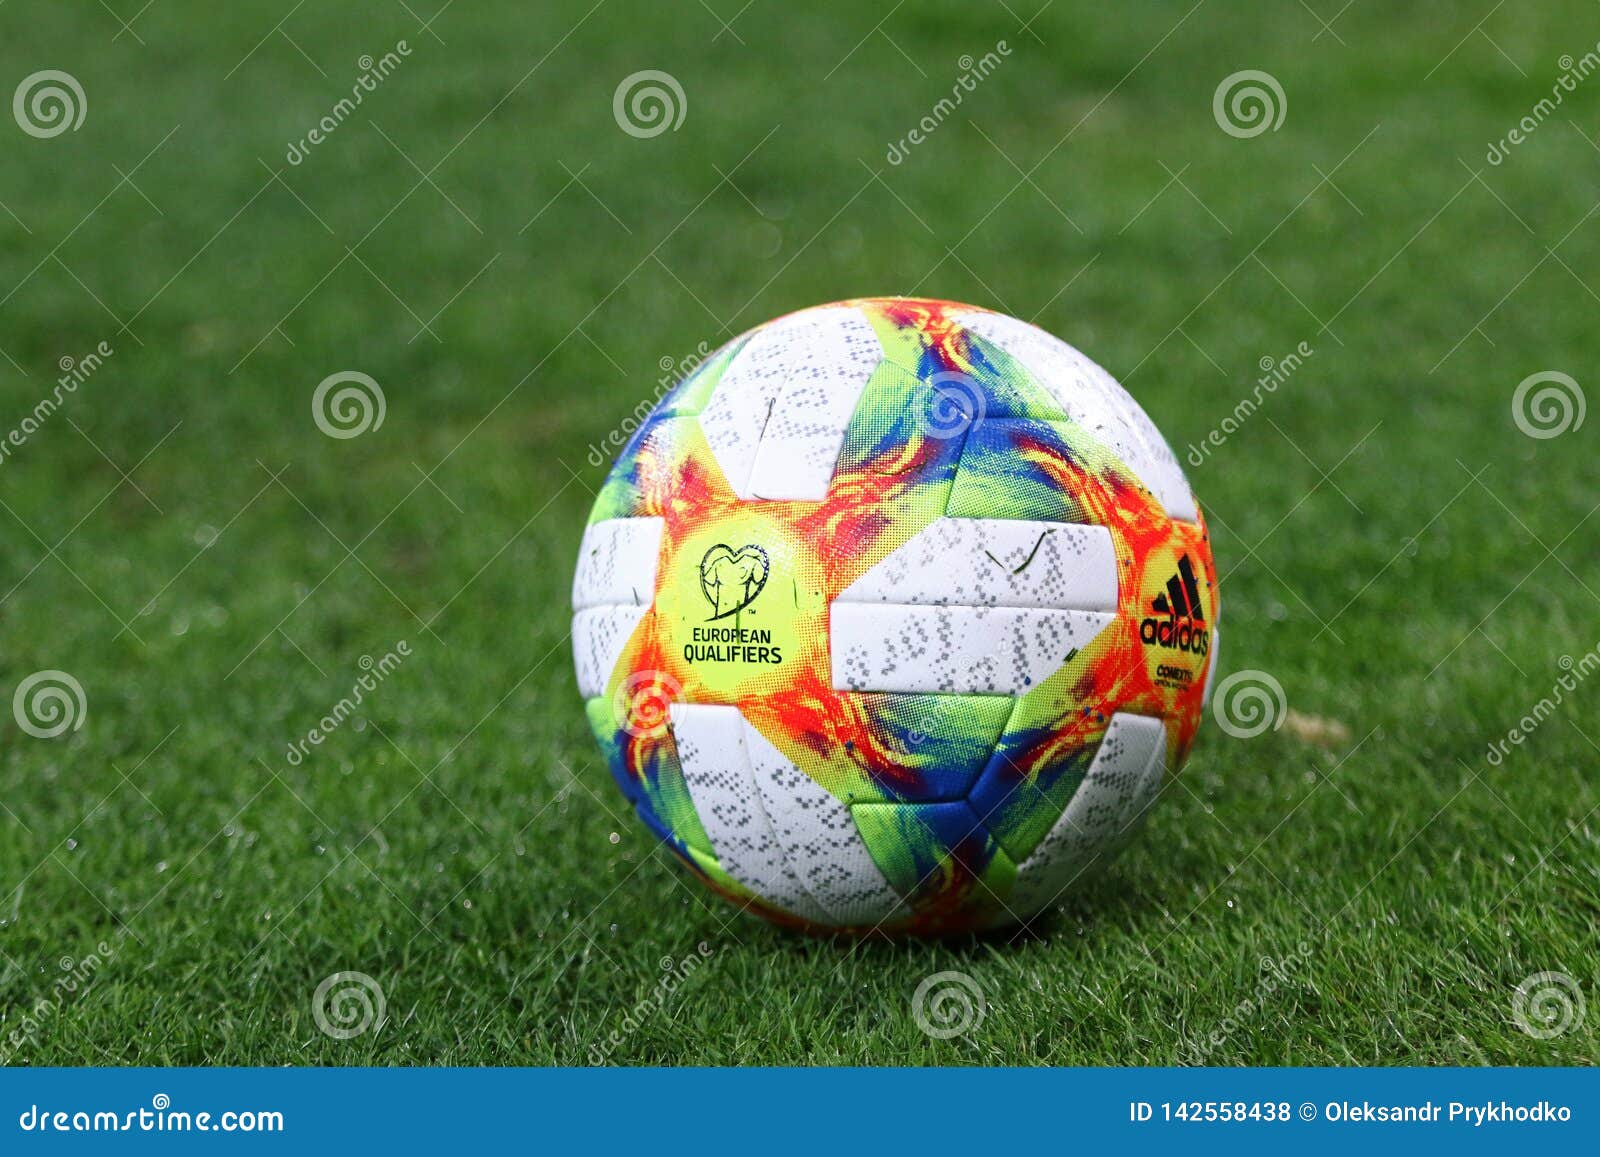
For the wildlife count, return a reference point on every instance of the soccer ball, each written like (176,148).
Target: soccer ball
(894,615)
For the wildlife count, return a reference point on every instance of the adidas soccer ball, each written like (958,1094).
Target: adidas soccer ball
(894,614)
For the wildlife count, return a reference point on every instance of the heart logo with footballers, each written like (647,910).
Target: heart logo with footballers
(740,604)
(731,579)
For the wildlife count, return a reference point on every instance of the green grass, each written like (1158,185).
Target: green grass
(183,541)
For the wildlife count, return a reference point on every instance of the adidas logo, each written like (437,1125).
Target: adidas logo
(1182,625)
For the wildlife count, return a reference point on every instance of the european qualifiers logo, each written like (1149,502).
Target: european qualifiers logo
(1178,621)
(731,580)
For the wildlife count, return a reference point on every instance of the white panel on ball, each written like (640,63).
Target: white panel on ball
(820,841)
(996,562)
(613,589)
(617,563)
(1123,778)
(1211,671)
(957,650)
(772,827)
(777,417)
(1092,398)
(598,636)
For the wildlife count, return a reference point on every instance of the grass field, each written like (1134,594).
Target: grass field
(482,239)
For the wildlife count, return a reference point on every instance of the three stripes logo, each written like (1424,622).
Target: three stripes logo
(1181,624)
